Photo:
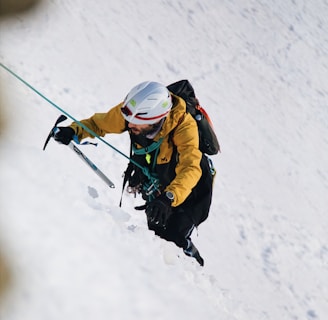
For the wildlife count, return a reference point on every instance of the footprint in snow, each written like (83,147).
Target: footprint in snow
(93,192)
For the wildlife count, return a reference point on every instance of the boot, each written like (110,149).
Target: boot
(192,251)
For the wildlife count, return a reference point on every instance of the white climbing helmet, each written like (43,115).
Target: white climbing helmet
(147,103)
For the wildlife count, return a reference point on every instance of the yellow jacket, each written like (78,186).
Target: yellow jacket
(184,136)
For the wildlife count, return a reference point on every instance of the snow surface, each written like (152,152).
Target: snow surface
(259,68)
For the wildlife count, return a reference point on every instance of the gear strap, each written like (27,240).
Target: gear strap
(143,151)
(155,145)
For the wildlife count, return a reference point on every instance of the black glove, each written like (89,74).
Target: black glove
(159,210)
(63,135)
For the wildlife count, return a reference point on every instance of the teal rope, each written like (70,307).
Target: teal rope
(155,145)
(144,169)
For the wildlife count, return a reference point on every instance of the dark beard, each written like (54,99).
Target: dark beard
(141,138)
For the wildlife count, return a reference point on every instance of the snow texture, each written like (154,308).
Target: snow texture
(259,69)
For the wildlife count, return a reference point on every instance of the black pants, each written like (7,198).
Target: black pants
(178,229)
(191,213)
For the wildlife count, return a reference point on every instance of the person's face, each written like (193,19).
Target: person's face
(140,128)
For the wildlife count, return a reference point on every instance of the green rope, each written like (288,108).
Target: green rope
(155,145)
(144,169)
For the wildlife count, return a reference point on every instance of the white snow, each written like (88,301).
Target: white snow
(260,70)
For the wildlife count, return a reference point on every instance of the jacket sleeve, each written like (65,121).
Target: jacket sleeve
(101,123)
(188,170)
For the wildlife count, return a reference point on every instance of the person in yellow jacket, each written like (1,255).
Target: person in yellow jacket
(164,139)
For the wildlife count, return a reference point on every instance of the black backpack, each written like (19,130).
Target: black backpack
(208,142)
(208,145)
